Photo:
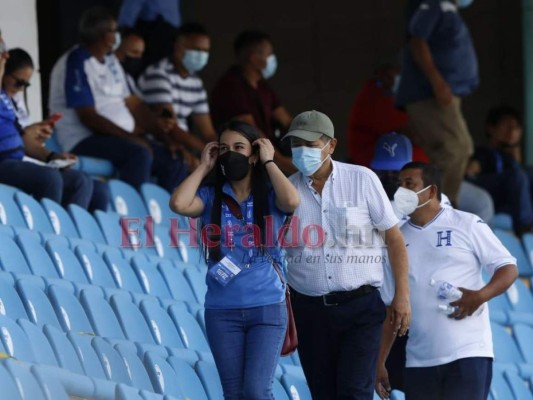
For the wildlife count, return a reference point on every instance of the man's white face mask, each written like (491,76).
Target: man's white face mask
(406,201)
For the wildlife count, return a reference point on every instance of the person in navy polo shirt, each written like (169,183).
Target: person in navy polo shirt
(439,68)
(246,315)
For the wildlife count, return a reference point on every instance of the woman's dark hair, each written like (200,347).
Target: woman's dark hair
(18,59)
(260,189)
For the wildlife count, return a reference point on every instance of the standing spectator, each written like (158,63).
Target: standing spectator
(246,315)
(439,68)
(496,168)
(156,21)
(63,186)
(101,117)
(18,73)
(335,264)
(374,114)
(172,88)
(449,354)
(243,94)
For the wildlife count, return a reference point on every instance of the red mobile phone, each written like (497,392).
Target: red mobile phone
(54,118)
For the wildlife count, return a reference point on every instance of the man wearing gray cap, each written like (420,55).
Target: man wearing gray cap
(340,236)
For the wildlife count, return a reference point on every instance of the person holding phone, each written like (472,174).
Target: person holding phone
(64,186)
(246,314)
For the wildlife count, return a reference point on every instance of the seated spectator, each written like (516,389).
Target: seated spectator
(172,88)
(20,64)
(156,21)
(496,168)
(101,117)
(129,53)
(64,186)
(374,114)
(243,94)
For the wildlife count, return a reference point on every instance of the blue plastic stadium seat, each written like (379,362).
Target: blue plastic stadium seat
(139,376)
(125,392)
(208,374)
(51,385)
(68,309)
(123,274)
(520,297)
(191,334)
(178,285)
(94,266)
(518,386)
(9,211)
(59,219)
(85,224)
(150,278)
(126,200)
(36,303)
(131,319)
(279,391)
(296,387)
(39,344)
(112,361)
(38,259)
(512,243)
(156,200)
(86,354)
(10,303)
(33,213)
(11,258)
(397,395)
(101,315)
(505,347)
(110,225)
(189,383)
(161,325)
(64,350)
(96,166)
(523,334)
(65,261)
(196,279)
(8,385)
(162,375)
(14,340)
(502,221)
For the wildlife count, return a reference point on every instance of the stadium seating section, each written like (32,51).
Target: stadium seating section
(109,306)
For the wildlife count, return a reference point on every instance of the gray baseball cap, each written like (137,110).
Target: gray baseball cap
(310,126)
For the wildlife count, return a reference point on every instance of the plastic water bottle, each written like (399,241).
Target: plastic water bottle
(447,291)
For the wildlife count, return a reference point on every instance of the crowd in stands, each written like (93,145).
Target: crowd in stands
(130,93)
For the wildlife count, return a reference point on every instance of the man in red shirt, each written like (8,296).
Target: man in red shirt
(374,114)
(243,93)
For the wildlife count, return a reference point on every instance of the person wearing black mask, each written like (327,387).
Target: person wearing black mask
(246,349)
(130,53)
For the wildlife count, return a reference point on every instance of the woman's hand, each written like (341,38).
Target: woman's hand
(209,155)
(266,149)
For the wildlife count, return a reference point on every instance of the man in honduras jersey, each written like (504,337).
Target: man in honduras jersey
(447,356)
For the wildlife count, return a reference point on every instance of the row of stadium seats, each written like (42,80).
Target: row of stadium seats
(81,314)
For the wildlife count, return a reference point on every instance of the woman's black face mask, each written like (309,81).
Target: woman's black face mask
(234,165)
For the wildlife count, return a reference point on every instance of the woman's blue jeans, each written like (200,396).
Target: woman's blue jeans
(246,344)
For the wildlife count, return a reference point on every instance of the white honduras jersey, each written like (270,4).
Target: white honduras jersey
(79,80)
(387,289)
(453,247)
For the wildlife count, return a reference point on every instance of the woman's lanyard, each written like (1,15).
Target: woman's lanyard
(232,209)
